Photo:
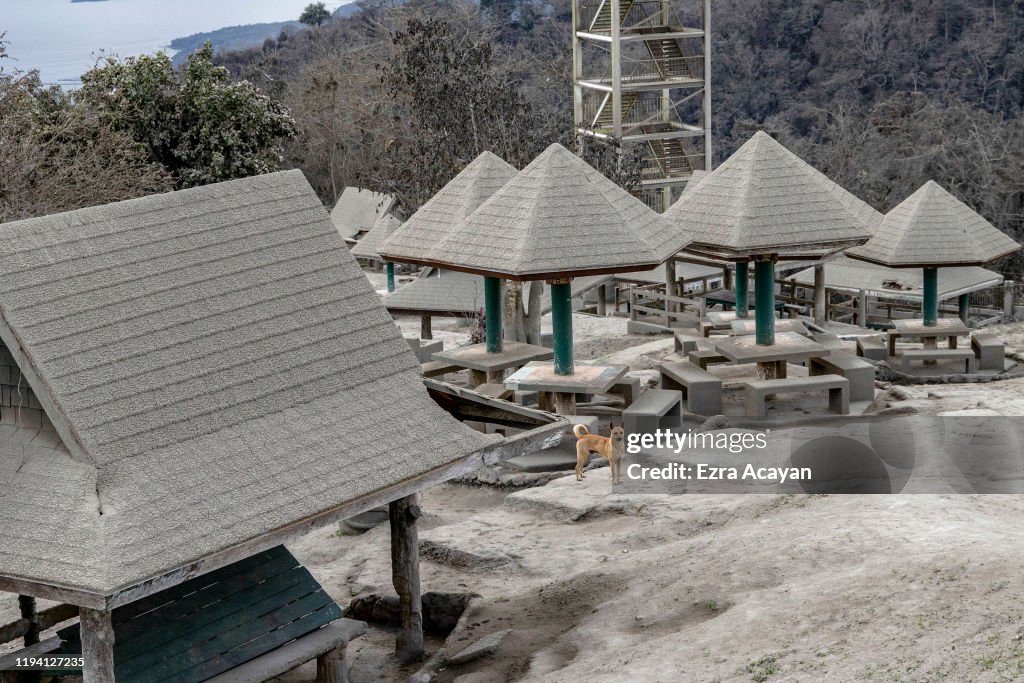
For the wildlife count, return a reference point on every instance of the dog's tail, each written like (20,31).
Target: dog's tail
(580,431)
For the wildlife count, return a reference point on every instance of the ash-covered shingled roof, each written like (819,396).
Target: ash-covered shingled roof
(766,200)
(367,247)
(557,217)
(357,210)
(933,228)
(850,275)
(453,293)
(218,365)
(422,234)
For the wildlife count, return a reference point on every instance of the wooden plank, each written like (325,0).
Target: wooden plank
(281,571)
(246,651)
(168,595)
(231,629)
(282,659)
(97,646)
(160,634)
(44,591)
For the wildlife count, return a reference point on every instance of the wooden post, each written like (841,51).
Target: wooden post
(405,575)
(862,308)
(930,297)
(602,300)
(1009,287)
(391,276)
(632,302)
(727,278)
(492,313)
(331,667)
(742,283)
(97,646)
(425,330)
(764,300)
(819,294)
(27,606)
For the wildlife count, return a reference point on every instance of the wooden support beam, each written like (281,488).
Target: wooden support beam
(602,300)
(425,330)
(405,575)
(97,646)
(27,606)
(819,294)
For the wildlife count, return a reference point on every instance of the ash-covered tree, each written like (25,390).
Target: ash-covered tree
(450,101)
(315,14)
(195,122)
(56,156)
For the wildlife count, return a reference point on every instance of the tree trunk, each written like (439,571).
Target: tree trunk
(512,312)
(533,316)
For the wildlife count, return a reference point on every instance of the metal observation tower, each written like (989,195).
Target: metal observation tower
(641,78)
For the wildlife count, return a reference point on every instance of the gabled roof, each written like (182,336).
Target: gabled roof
(558,217)
(384,228)
(218,367)
(422,234)
(850,275)
(453,293)
(766,200)
(357,210)
(933,228)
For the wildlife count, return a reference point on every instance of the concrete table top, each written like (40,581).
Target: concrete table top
(587,379)
(722,317)
(744,327)
(943,327)
(475,357)
(788,346)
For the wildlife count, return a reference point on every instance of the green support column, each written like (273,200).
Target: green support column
(492,311)
(964,307)
(561,324)
(764,301)
(930,299)
(741,289)
(391,276)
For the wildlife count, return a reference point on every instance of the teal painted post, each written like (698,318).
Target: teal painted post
(964,307)
(764,301)
(741,289)
(931,296)
(391,276)
(492,313)
(561,324)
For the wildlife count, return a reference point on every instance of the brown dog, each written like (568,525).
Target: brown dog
(611,448)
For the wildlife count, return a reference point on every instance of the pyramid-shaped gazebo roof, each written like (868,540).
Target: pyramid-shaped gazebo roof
(766,200)
(419,238)
(558,218)
(932,228)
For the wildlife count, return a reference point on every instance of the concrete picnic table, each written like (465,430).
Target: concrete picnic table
(928,334)
(744,327)
(489,366)
(557,392)
(771,359)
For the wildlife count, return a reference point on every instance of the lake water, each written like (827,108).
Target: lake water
(62,38)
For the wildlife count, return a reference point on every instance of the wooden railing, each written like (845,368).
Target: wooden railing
(41,621)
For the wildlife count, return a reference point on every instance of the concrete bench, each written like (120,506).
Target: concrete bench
(653,403)
(988,349)
(702,358)
(686,341)
(757,392)
(628,388)
(911,355)
(860,373)
(701,390)
(494,391)
(871,348)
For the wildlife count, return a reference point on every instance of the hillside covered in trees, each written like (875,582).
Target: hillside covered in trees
(880,95)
